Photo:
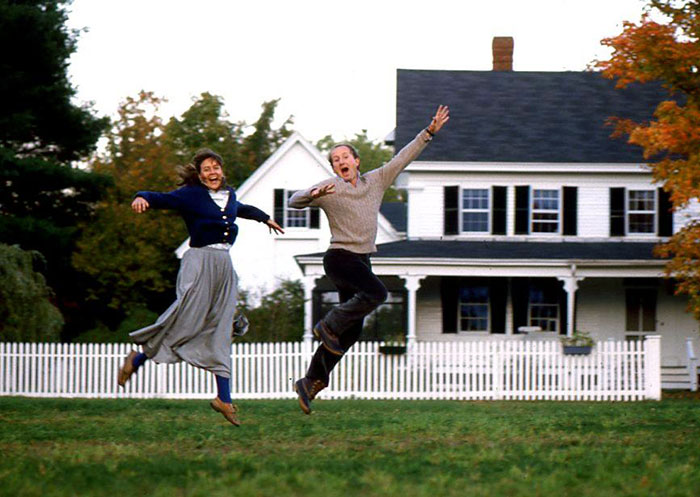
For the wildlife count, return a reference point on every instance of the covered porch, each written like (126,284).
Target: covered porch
(525,291)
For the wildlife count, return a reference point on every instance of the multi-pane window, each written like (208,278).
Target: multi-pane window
(295,218)
(474,308)
(543,308)
(475,210)
(545,211)
(641,212)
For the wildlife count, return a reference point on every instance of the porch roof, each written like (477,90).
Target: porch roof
(512,250)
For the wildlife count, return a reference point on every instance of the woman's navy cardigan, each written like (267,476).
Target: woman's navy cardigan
(207,223)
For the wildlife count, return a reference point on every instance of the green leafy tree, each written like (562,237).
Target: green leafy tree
(206,125)
(26,311)
(43,197)
(130,257)
(372,155)
(264,140)
(279,317)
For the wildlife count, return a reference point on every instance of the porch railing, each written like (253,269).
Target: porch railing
(528,370)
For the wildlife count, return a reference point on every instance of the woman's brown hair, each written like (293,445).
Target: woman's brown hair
(189,174)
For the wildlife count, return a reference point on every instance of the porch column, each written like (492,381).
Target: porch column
(309,283)
(412,284)
(570,287)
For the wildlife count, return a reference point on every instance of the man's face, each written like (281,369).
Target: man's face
(211,174)
(345,164)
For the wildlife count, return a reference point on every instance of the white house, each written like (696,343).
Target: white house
(262,259)
(526,221)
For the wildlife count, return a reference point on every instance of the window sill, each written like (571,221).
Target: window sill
(299,234)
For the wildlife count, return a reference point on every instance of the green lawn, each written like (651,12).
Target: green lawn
(130,448)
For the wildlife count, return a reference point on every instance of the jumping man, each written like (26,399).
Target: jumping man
(351,202)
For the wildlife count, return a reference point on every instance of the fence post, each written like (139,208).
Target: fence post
(692,365)
(652,367)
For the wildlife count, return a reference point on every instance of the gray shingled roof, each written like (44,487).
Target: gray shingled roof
(396,213)
(517,250)
(499,116)
(504,250)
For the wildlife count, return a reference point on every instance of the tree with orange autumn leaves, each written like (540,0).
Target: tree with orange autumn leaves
(667,50)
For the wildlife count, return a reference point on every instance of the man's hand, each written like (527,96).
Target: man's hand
(323,191)
(272,224)
(439,119)
(139,205)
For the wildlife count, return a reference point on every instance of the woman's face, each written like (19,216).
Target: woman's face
(210,174)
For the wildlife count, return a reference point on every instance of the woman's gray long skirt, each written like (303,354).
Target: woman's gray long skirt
(196,328)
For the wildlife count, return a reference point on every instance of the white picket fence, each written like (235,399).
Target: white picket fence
(487,370)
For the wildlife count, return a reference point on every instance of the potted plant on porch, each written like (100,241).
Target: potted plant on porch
(580,343)
(394,345)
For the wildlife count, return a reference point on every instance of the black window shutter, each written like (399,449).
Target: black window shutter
(570,210)
(617,212)
(449,288)
(522,210)
(316,299)
(498,293)
(314,218)
(665,213)
(279,207)
(520,298)
(451,210)
(498,216)
(563,311)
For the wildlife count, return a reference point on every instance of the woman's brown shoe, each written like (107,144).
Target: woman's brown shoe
(228,410)
(127,369)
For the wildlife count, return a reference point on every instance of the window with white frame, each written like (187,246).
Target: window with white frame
(475,210)
(474,308)
(543,308)
(294,218)
(545,211)
(641,211)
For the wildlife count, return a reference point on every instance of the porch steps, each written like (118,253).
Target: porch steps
(675,378)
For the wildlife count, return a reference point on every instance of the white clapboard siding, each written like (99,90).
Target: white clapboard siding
(485,370)
(426,197)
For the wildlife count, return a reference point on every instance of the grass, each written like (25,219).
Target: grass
(71,447)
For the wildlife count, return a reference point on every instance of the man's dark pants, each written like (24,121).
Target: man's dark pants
(360,292)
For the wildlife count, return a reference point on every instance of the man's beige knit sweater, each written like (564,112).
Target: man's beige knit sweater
(352,210)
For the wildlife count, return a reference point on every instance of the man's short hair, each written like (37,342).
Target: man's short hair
(350,147)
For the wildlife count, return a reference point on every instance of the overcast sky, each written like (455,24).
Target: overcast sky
(333,64)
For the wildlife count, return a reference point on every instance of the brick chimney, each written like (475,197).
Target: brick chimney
(502,53)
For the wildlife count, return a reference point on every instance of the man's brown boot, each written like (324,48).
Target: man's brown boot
(307,389)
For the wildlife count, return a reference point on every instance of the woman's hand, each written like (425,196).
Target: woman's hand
(274,227)
(439,119)
(139,205)
(323,191)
